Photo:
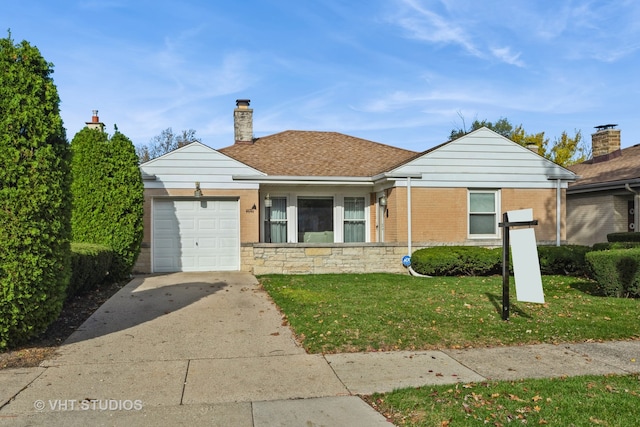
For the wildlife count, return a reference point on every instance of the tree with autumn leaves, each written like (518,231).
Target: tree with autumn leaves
(564,151)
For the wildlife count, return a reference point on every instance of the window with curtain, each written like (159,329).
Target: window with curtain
(483,208)
(354,220)
(278,223)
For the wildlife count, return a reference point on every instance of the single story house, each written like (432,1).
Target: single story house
(606,198)
(320,202)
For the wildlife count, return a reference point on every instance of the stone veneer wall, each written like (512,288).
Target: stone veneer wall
(300,258)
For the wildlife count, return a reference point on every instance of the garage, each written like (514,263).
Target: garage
(195,235)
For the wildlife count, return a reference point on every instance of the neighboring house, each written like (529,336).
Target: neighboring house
(605,198)
(318,202)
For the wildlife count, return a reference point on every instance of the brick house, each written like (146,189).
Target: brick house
(318,202)
(606,197)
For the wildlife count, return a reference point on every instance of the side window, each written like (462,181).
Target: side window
(483,213)
(354,219)
(277,224)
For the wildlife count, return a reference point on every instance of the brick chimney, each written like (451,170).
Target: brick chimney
(606,141)
(243,121)
(95,122)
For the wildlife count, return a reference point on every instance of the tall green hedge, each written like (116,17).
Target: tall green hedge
(107,196)
(34,195)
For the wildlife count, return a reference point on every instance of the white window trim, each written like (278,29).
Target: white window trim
(338,213)
(498,203)
(343,220)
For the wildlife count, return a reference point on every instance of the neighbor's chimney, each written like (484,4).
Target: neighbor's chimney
(605,141)
(95,122)
(534,148)
(243,121)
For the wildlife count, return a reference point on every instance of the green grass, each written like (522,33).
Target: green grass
(351,312)
(343,313)
(577,401)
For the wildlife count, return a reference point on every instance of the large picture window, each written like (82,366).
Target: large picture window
(354,219)
(483,213)
(315,219)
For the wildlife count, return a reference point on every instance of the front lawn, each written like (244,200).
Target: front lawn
(351,312)
(576,401)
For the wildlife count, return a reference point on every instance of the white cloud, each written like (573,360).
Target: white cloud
(504,54)
(426,25)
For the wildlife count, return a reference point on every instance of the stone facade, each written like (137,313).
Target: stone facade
(299,258)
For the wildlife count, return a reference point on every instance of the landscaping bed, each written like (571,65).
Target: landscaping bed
(74,313)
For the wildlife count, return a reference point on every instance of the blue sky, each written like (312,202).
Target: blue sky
(400,72)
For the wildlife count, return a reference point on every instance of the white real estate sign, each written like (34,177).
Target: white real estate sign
(526,264)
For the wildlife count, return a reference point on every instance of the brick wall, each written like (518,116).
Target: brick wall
(543,203)
(441,214)
(605,141)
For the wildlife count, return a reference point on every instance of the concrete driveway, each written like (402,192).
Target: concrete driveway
(184,348)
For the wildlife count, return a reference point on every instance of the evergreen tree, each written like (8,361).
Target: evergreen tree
(107,196)
(34,195)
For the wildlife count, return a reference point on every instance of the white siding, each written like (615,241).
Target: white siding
(483,159)
(197,163)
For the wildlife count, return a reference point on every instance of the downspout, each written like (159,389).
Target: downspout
(558,210)
(636,204)
(409,215)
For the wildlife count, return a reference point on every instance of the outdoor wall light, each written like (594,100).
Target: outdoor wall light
(268,202)
(383,201)
(197,192)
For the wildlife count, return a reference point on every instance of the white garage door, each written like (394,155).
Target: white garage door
(196,235)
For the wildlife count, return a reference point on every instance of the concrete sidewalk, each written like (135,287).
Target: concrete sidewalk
(211,349)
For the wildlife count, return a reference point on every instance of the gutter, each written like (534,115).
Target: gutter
(298,180)
(603,186)
(323,180)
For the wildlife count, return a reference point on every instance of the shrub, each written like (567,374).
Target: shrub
(34,195)
(617,271)
(90,264)
(614,245)
(629,236)
(568,260)
(107,196)
(457,261)
(479,261)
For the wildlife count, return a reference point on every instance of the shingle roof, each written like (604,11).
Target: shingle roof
(622,167)
(312,153)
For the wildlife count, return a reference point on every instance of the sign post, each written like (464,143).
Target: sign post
(525,259)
